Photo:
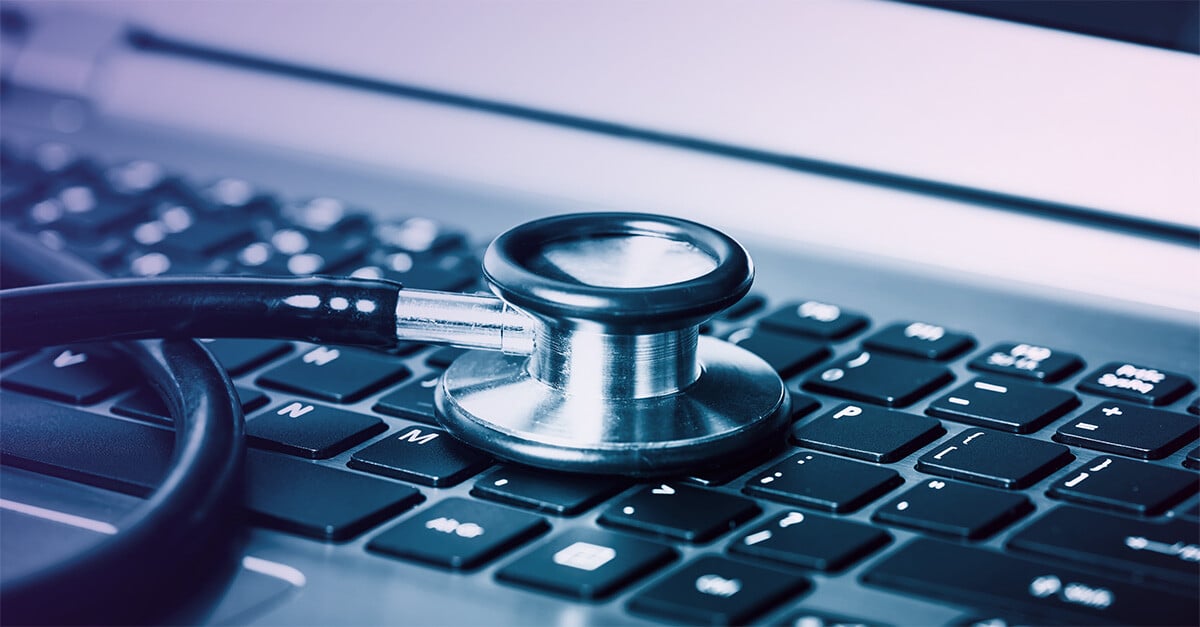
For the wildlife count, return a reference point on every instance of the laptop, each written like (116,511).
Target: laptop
(997,220)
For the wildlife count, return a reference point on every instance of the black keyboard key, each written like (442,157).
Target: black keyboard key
(823,482)
(443,357)
(679,511)
(1130,430)
(920,339)
(749,304)
(954,509)
(811,541)
(870,433)
(880,379)
(819,618)
(338,374)
(1125,485)
(418,235)
(7,358)
(459,534)
(815,319)
(413,400)
(146,404)
(83,210)
(585,563)
(1138,384)
(303,497)
(446,272)
(421,455)
(1025,589)
(715,590)
(74,375)
(1164,550)
(995,459)
(1194,406)
(120,455)
(787,354)
(240,356)
(554,492)
(1027,361)
(1192,460)
(997,404)
(309,430)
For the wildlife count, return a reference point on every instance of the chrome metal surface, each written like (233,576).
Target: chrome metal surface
(628,261)
(582,362)
(735,406)
(464,320)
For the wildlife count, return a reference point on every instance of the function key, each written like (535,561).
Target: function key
(787,354)
(1139,384)
(73,375)
(811,541)
(1125,485)
(715,590)
(920,339)
(815,319)
(679,511)
(338,374)
(554,492)
(996,459)
(585,563)
(421,455)
(880,378)
(955,509)
(311,431)
(870,433)
(1129,430)
(1027,361)
(1004,405)
(459,534)
(823,482)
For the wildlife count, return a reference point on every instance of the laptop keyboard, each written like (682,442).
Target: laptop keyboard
(898,474)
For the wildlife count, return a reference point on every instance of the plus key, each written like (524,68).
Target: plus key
(1130,430)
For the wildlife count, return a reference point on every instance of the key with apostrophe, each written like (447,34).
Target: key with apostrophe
(954,509)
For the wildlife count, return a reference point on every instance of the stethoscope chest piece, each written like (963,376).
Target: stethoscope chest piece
(619,379)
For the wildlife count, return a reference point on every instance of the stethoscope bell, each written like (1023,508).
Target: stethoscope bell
(619,379)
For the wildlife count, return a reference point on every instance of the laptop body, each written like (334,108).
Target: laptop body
(911,163)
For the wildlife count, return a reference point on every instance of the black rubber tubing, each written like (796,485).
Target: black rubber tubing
(192,521)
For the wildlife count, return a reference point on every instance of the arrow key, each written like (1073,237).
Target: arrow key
(679,511)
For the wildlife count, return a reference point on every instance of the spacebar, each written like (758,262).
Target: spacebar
(1031,589)
(89,448)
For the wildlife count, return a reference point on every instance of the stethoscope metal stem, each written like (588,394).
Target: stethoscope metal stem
(464,320)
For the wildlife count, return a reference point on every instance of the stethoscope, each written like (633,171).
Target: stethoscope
(593,359)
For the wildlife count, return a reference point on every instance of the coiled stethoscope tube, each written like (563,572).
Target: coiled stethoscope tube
(598,365)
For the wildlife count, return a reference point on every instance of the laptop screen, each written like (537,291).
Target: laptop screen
(893,93)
